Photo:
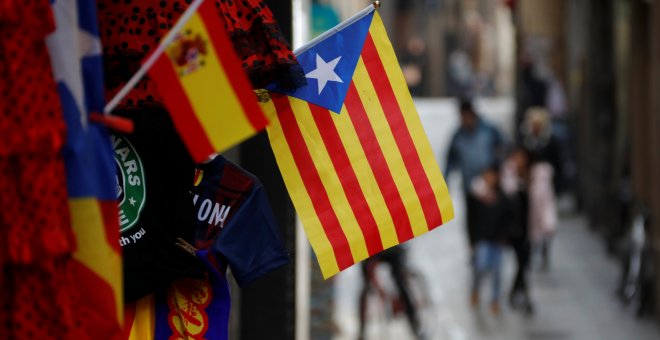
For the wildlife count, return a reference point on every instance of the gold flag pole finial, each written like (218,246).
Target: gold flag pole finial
(376,4)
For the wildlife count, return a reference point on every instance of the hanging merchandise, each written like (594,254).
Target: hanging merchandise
(171,289)
(153,168)
(235,229)
(130,30)
(153,176)
(235,222)
(352,149)
(75,53)
(156,206)
(194,65)
(208,96)
(38,295)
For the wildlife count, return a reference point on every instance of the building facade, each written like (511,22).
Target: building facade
(606,54)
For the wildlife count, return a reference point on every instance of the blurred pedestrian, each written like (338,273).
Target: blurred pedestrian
(545,161)
(515,178)
(395,258)
(541,142)
(474,146)
(494,217)
(542,210)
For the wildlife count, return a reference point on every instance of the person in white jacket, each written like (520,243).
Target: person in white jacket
(542,209)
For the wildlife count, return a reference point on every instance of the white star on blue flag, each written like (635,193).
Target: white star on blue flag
(324,72)
(75,54)
(330,80)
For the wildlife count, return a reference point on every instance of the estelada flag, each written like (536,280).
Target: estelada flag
(352,150)
(75,53)
(203,84)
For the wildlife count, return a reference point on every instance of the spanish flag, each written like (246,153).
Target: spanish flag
(352,150)
(205,90)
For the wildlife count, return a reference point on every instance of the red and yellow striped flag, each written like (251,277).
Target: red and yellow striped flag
(96,269)
(203,84)
(363,179)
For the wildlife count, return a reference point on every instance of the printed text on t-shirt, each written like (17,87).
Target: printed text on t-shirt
(212,212)
(132,239)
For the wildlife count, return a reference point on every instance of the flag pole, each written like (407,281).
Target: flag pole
(151,60)
(361,14)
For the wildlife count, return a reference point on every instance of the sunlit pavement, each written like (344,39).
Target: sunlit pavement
(575,299)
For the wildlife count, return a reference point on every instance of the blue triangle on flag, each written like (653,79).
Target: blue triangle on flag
(329,65)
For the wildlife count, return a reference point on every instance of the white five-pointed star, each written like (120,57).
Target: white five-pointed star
(324,72)
(68,44)
(132,201)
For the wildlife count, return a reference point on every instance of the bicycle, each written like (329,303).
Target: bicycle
(383,299)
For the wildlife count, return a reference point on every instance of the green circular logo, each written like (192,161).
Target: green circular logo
(131,189)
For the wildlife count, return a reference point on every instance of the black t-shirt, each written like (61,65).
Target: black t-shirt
(154,176)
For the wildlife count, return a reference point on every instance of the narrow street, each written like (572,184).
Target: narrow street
(574,299)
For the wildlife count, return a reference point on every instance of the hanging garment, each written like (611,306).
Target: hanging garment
(154,172)
(235,229)
(235,226)
(130,30)
(38,297)
(75,53)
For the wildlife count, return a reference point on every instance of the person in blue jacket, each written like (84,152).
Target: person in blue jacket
(475,145)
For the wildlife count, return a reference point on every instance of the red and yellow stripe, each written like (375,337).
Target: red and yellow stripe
(140,319)
(98,264)
(212,107)
(366,179)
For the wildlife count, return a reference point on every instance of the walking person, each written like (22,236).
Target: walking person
(542,210)
(514,176)
(474,146)
(493,219)
(544,179)
(395,258)
(541,142)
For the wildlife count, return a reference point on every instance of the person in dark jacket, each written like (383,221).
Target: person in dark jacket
(514,177)
(493,218)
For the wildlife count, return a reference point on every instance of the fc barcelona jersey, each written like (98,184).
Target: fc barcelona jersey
(235,230)
(235,225)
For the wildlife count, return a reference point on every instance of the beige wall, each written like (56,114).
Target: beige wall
(542,24)
(544,17)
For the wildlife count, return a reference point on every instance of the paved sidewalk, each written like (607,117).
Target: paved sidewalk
(574,300)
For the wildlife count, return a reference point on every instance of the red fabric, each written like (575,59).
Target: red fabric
(38,303)
(38,296)
(130,30)
(34,218)
(31,116)
(99,302)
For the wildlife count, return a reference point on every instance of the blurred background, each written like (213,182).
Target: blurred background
(594,68)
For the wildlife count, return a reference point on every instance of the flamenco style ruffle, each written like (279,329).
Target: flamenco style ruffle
(38,295)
